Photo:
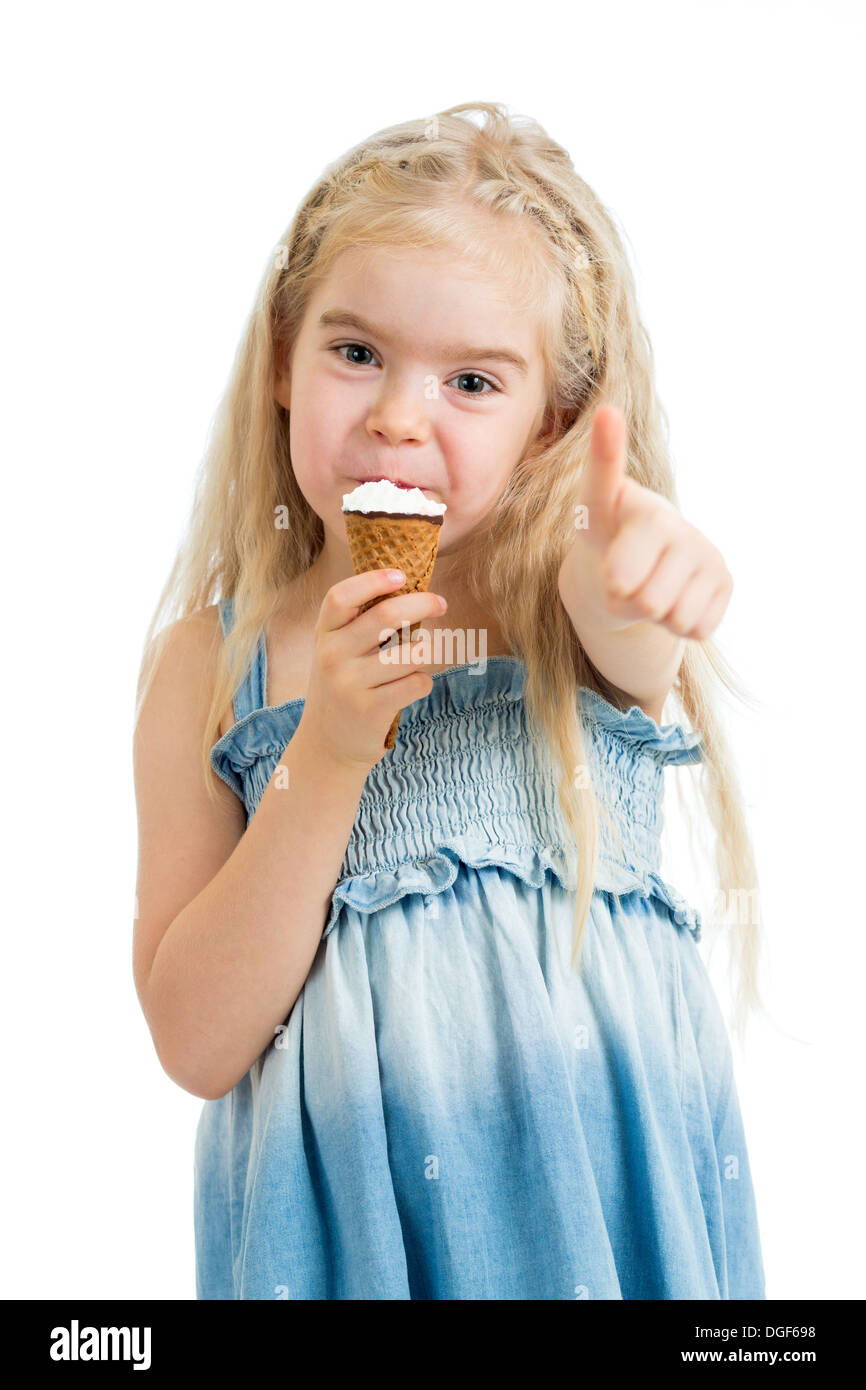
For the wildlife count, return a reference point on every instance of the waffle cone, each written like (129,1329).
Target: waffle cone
(407,543)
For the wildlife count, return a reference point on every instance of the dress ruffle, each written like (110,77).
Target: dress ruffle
(371,892)
(260,735)
(665,743)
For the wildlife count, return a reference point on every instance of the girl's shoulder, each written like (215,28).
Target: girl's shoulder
(189,652)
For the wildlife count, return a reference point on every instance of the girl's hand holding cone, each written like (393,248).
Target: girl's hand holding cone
(353,695)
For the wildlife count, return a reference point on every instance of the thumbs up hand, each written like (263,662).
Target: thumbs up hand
(635,558)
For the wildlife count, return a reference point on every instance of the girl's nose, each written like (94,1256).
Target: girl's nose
(400,415)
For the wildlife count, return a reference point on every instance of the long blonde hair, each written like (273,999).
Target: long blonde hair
(444,182)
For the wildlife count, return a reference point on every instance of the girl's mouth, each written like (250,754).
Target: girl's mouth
(398,482)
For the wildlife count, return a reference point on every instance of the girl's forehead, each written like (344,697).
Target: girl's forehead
(500,272)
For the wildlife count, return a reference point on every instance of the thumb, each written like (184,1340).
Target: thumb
(604,471)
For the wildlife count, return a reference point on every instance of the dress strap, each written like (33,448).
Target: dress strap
(252,691)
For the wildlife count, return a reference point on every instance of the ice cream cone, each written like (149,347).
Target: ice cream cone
(394,540)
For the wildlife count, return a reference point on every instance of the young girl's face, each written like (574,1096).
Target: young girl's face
(419,389)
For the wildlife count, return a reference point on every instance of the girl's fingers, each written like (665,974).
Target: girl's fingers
(633,554)
(655,598)
(691,602)
(713,612)
(385,618)
(342,603)
(394,661)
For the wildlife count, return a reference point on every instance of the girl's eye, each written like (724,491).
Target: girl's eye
(353,347)
(462,376)
(473,376)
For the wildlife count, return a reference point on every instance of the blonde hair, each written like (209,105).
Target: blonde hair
(446,183)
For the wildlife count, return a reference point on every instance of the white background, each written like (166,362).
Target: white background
(154,157)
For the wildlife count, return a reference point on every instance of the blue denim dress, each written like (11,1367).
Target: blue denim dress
(450,1112)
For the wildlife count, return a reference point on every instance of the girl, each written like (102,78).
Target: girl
(452,1028)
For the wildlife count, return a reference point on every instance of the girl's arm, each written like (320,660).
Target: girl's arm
(228,918)
(638,579)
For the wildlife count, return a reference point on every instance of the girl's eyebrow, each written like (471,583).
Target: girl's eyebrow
(344,318)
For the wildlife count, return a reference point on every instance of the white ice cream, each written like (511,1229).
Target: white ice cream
(385,496)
